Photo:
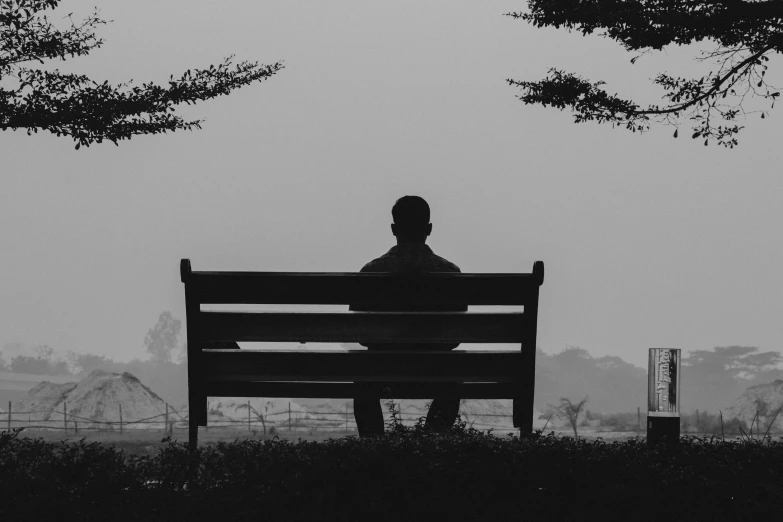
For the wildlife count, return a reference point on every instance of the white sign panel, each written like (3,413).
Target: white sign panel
(663,379)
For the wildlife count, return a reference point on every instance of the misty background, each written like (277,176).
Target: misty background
(648,241)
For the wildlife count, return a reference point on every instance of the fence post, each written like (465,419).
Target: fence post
(166,426)
(638,420)
(9,415)
(346,416)
(65,423)
(76,426)
(206,424)
(172,423)
(120,418)
(289,415)
(248,415)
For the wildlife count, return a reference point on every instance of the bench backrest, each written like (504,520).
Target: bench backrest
(213,370)
(377,289)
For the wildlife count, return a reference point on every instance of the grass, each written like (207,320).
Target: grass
(408,474)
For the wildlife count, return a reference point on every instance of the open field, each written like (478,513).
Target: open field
(229,434)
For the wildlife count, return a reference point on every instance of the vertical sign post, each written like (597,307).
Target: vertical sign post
(663,396)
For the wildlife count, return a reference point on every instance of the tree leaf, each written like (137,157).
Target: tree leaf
(675,132)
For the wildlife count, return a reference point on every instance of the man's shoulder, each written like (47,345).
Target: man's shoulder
(451,266)
(376,265)
(444,265)
(384,263)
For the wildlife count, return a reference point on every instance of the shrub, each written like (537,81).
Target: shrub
(459,475)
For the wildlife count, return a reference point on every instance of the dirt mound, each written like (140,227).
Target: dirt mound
(766,399)
(97,398)
(43,401)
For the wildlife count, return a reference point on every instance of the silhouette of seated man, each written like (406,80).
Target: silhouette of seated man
(411,227)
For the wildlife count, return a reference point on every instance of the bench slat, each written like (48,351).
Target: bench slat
(364,327)
(361,366)
(349,390)
(346,288)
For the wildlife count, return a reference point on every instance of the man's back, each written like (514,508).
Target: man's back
(410,258)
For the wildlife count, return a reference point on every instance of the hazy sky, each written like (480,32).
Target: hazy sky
(647,241)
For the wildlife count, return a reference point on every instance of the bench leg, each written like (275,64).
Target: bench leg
(523,415)
(192,435)
(523,402)
(197,416)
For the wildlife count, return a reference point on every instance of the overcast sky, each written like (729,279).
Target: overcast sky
(648,241)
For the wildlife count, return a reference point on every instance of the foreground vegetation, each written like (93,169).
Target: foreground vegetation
(406,474)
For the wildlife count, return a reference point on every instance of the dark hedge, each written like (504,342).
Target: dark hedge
(408,474)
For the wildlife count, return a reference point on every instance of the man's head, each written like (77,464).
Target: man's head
(411,220)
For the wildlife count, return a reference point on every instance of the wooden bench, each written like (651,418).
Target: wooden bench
(217,371)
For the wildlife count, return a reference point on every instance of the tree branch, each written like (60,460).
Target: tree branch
(714,89)
(63,103)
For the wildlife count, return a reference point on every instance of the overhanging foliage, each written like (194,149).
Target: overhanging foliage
(77,106)
(745,34)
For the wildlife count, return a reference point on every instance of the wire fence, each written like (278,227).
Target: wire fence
(172,419)
(292,420)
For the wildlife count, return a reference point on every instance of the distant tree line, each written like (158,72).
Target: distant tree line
(712,379)
(40,364)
